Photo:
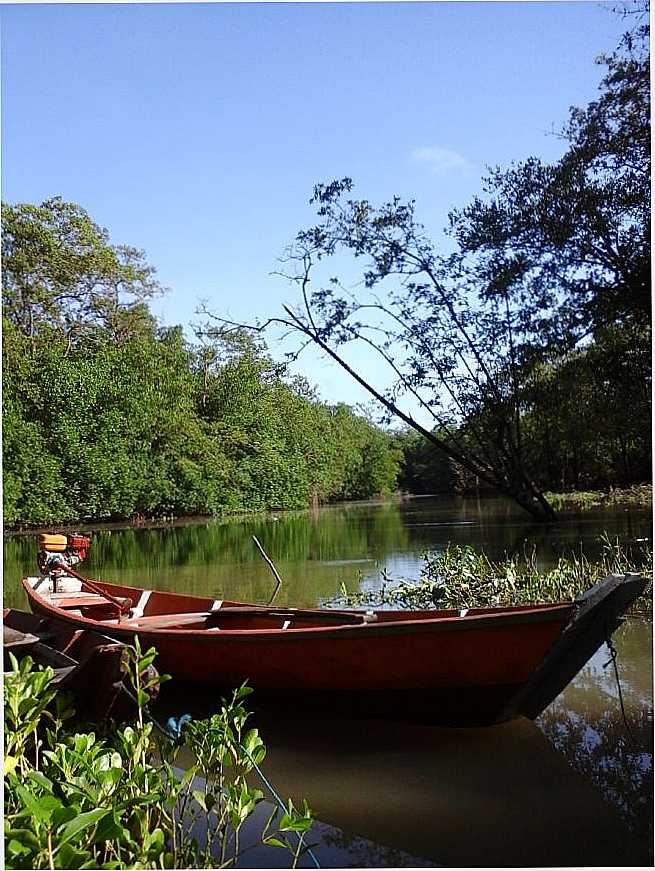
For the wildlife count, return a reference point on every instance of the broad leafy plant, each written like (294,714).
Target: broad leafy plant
(119,800)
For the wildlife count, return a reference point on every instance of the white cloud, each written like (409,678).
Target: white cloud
(441,160)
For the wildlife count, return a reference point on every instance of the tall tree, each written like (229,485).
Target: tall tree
(61,274)
(551,255)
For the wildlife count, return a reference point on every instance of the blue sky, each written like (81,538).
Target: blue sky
(197,131)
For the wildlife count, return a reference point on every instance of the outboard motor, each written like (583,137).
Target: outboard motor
(61,551)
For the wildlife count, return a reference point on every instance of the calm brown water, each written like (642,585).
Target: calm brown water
(574,789)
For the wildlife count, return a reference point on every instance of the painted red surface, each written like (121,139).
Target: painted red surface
(400,651)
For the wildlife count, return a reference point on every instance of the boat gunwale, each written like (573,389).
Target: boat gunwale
(415,625)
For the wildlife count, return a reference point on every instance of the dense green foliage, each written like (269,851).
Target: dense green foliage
(586,422)
(424,468)
(107,416)
(86,800)
(588,414)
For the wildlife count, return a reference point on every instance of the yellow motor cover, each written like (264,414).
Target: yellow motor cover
(52,543)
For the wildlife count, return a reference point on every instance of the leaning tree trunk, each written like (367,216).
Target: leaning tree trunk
(518,486)
(531,499)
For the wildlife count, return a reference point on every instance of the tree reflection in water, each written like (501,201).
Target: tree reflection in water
(362,853)
(586,725)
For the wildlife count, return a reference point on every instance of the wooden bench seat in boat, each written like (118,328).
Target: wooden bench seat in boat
(81,599)
(167,621)
(285,616)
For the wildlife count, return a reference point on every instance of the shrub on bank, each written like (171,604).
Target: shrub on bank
(78,800)
(637,496)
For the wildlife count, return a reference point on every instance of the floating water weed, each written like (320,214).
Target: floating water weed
(463,577)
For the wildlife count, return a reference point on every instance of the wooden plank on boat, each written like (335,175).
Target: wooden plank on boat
(62,674)
(13,639)
(325,615)
(79,600)
(57,659)
(211,618)
(81,594)
(73,594)
(167,621)
(43,654)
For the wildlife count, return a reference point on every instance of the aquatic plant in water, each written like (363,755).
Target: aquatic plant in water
(84,800)
(463,577)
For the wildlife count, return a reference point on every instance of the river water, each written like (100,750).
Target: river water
(576,788)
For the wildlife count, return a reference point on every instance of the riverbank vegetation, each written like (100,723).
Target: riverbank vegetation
(637,496)
(527,347)
(463,577)
(107,415)
(114,799)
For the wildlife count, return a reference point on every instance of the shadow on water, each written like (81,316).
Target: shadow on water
(397,794)
(570,789)
(331,847)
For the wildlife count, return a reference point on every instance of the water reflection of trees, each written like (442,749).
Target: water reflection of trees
(362,853)
(219,557)
(597,745)
(497,527)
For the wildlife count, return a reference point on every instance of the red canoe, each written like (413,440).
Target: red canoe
(474,666)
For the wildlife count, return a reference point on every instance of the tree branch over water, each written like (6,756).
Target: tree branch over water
(550,275)
(448,356)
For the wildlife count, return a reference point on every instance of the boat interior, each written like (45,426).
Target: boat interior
(149,609)
(159,610)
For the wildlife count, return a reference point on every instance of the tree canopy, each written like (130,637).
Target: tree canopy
(61,274)
(107,415)
(550,269)
(570,241)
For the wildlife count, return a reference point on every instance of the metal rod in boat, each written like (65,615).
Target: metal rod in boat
(276,574)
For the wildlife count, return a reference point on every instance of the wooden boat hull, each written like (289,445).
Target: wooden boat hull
(451,668)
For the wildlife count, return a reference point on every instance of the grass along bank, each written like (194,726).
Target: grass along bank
(637,496)
(463,577)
